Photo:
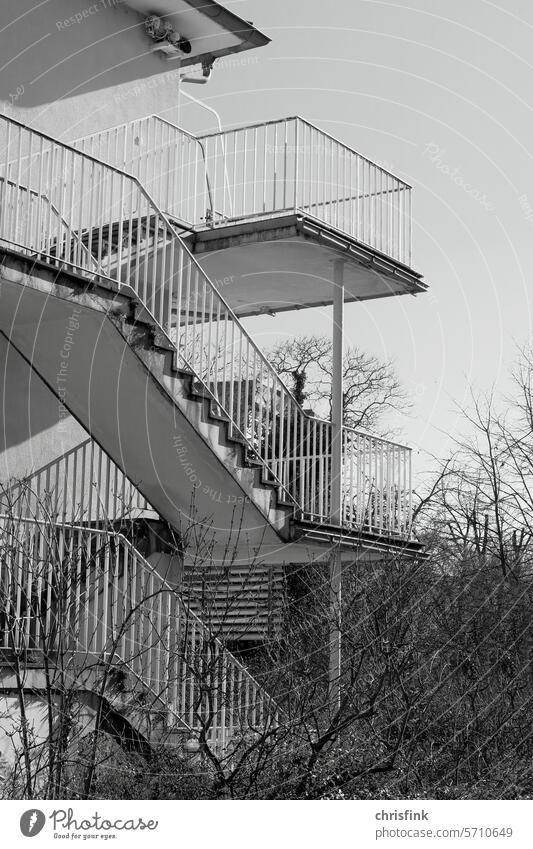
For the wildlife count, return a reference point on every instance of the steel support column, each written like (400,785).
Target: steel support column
(336,483)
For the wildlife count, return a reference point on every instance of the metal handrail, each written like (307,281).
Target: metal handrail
(46,200)
(101,140)
(274,121)
(82,485)
(128,124)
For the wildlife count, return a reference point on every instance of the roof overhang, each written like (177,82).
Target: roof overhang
(212,29)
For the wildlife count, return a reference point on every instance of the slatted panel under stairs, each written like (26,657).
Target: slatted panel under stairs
(237,603)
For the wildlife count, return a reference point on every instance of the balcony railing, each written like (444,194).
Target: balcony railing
(169,162)
(375,479)
(82,486)
(72,592)
(290,165)
(108,225)
(262,170)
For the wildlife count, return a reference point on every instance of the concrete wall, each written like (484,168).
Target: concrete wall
(10,725)
(69,68)
(34,429)
(72,67)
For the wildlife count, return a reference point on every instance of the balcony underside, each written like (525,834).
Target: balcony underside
(272,264)
(353,542)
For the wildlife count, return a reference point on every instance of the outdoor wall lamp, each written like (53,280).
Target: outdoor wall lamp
(163,31)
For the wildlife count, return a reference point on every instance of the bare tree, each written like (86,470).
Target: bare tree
(371,387)
(480,504)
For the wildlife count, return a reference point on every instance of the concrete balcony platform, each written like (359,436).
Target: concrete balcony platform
(273,264)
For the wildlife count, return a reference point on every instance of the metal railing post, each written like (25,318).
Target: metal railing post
(337,415)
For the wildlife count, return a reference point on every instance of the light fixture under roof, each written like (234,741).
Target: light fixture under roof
(167,39)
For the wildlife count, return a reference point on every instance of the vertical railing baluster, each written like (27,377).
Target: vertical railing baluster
(366,484)
(299,163)
(390,219)
(231,376)
(268,407)
(382,487)
(409,490)
(264,179)
(344,188)
(201,334)
(235,195)
(5,194)
(225,361)
(18,192)
(212,143)
(332,202)
(244,172)
(248,394)
(295,475)
(260,423)
(314,459)
(218,358)
(254,174)
(285,154)
(195,340)
(48,189)
(311,172)
(132,611)
(275,171)
(285,448)
(323,181)
(19,589)
(239,417)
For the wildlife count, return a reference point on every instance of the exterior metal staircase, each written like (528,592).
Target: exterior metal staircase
(122,258)
(137,247)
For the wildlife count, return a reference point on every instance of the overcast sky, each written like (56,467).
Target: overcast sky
(441,92)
